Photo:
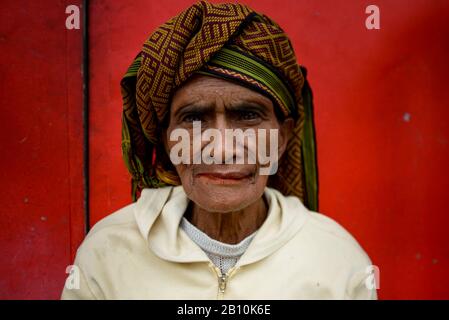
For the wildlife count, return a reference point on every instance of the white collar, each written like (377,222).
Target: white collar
(158,213)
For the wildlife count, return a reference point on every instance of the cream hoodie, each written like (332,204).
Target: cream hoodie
(140,252)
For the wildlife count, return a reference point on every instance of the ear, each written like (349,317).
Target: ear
(285,132)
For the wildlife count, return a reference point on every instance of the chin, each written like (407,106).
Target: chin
(215,198)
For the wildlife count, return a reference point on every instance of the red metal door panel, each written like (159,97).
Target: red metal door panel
(381,117)
(41,218)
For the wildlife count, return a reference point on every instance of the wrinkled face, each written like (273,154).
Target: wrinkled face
(220,104)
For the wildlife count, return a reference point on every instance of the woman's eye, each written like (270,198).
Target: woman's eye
(249,115)
(191,118)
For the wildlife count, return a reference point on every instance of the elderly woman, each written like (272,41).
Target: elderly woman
(221,230)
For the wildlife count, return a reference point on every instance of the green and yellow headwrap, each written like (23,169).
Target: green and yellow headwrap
(233,42)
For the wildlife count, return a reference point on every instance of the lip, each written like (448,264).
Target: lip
(225,177)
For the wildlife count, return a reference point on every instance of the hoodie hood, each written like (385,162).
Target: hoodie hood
(158,213)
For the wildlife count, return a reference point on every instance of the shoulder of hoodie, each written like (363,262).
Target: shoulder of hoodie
(121,218)
(327,234)
(120,222)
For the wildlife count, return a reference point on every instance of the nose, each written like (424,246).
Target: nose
(224,149)
(231,147)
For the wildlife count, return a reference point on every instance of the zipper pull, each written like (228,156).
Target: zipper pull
(222,283)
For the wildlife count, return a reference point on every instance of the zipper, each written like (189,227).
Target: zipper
(223,279)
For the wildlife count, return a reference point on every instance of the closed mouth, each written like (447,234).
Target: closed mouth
(225,177)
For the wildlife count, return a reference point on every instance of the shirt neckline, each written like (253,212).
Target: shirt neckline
(213,246)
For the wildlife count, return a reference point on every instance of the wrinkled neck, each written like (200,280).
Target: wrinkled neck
(230,227)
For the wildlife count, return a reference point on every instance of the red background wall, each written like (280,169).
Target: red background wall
(380,110)
(41,216)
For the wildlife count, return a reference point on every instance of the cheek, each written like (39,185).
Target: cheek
(270,139)
(184,172)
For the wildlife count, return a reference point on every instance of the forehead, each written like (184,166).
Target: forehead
(202,88)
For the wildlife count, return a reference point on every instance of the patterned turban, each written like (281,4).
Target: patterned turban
(233,42)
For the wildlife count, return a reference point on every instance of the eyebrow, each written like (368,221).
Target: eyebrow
(194,108)
(240,106)
(248,106)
